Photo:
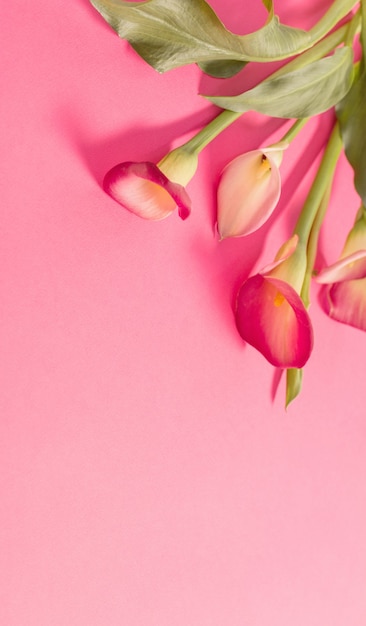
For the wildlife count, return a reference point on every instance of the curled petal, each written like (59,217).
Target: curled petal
(248,192)
(284,253)
(272,318)
(289,264)
(346,302)
(344,292)
(145,191)
(348,268)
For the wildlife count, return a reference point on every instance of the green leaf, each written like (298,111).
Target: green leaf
(351,113)
(301,93)
(171,33)
(222,69)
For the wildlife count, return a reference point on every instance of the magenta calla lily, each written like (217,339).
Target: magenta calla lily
(270,314)
(152,191)
(344,295)
(248,191)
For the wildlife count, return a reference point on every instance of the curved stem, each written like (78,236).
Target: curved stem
(353,27)
(211,130)
(319,186)
(293,384)
(313,243)
(338,10)
(315,53)
(294,130)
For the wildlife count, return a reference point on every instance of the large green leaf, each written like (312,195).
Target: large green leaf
(171,33)
(300,93)
(351,113)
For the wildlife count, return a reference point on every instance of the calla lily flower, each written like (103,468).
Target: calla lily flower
(153,191)
(248,191)
(344,295)
(270,314)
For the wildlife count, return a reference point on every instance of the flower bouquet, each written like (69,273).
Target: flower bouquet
(323,69)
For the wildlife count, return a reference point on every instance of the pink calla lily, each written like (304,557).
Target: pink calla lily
(248,191)
(152,191)
(270,314)
(344,292)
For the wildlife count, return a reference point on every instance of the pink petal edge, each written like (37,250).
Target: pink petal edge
(349,268)
(150,172)
(283,254)
(283,335)
(262,201)
(345,302)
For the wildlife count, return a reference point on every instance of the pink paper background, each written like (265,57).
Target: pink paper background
(148,476)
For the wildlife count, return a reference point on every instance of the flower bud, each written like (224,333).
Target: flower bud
(248,191)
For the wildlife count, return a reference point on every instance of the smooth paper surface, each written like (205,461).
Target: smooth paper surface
(150,475)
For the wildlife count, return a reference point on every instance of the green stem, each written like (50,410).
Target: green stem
(211,130)
(294,130)
(224,119)
(319,186)
(353,26)
(337,11)
(312,248)
(318,51)
(293,384)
